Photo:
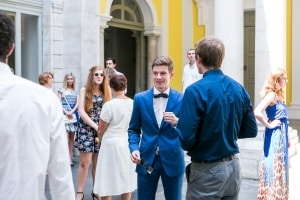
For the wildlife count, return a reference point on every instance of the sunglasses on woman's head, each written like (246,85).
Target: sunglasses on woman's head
(99,74)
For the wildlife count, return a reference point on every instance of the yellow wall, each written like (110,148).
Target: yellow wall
(158,7)
(199,31)
(102,6)
(289,50)
(175,40)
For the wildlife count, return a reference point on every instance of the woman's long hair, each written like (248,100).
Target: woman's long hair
(90,85)
(272,84)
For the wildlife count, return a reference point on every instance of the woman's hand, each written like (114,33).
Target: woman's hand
(274,123)
(69,115)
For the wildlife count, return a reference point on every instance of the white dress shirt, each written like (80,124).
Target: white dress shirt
(159,105)
(190,75)
(33,141)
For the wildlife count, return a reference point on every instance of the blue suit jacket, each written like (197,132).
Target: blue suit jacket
(145,135)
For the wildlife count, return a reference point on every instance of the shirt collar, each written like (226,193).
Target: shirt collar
(167,91)
(4,68)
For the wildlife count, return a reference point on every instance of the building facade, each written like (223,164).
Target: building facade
(71,36)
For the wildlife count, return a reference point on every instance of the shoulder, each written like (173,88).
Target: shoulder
(82,90)
(270,95)
(143,93)
(176,93)
(61,90)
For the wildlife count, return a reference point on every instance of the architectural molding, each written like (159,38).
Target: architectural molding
(30,5)
(57,7)
(206,15)
(103,21)
(152,31)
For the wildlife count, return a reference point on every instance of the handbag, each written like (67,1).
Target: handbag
(68,120)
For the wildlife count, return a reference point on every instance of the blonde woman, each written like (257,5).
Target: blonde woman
(274,178)
(68,95)
(91,99)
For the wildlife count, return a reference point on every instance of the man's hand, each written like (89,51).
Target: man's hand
(135,157)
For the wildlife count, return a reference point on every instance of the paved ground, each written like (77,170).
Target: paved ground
(248,188)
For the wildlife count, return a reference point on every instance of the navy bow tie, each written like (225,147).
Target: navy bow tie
(163,95)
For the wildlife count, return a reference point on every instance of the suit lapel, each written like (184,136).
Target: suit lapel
(149,105)
(172,101)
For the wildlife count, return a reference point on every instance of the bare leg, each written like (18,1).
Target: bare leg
(106,198)
(94,165)
(126,196)
(70,136)
(84,163)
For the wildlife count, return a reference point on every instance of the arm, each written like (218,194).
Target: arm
(134,132)
(266,101)
(59,95)
(189,120)
(249,126)
(84,116)
(101,129)
(59,171)
(76,105)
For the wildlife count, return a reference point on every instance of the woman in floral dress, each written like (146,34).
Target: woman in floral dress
(91,99)
(274,176)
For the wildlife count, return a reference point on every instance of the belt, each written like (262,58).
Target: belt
(227,158)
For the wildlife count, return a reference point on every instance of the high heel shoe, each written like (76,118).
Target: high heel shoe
(82,195)
(94,196)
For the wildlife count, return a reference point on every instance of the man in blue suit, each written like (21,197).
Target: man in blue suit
(153,141)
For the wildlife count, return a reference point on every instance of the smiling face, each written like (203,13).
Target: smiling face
(161,77)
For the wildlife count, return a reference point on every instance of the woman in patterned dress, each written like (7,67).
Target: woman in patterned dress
(274,176)
(91,99)
(69,98)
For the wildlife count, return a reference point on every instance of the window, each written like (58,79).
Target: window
(26,58)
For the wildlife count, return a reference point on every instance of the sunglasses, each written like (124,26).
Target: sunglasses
(99,74)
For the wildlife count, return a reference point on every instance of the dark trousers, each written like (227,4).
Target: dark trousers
(147,184)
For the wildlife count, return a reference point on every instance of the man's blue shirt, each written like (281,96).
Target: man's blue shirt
(216,111)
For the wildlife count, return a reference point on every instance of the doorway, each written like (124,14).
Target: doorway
(120,44)
(249,53)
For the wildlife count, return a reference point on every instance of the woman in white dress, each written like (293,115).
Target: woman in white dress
(115,173)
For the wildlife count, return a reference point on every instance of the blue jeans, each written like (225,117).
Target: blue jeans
(214,181)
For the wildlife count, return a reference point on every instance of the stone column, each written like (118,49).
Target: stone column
(151,54)
(294,109)
(138,63)
(229,28)
(103,25)
(53,40)
(269,40)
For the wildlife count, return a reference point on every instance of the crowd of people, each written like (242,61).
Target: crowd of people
(132,143)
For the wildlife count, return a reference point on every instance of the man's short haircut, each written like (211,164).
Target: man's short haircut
(7,35)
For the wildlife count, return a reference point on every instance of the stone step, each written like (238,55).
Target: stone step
(251,152)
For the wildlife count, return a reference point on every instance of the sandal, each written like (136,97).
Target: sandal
(82,195)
